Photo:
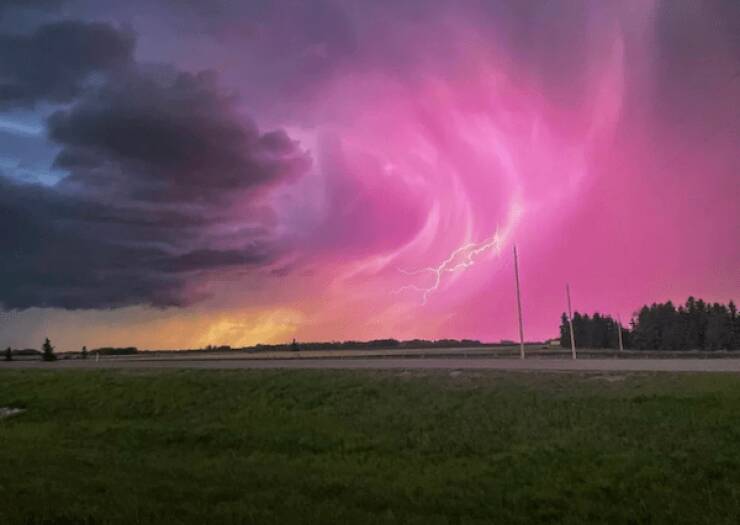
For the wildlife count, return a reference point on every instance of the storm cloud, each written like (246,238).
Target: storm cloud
(55,62)
(164,180)
(30,4)
(167,136)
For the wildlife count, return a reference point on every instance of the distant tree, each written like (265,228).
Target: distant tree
(669,327)
(8,354)
(600,331)
(83,353)
(698,325)
(644,335)
(626,338)
(294,346)
(694,326)
(597,331)
(578,331)
(584,332)
(107,350)
(735,326)
(719,328)
(48,351)
(564,331)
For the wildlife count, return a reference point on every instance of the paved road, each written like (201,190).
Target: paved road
(584,365)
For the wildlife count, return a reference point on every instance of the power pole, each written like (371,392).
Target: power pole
(619,328)
(519,304)
(570,323)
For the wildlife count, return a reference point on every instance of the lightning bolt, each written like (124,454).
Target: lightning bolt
(459,259)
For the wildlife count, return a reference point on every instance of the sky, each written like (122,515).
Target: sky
(178,173)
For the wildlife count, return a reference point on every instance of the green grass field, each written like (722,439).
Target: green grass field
(368,447)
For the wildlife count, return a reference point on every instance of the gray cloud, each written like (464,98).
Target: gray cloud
(54,62)
(64,250)
(30,4)
(166,136)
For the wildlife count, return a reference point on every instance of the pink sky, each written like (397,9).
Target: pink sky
(612,163)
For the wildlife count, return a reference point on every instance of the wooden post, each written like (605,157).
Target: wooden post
(619,327)
(519,304)
(570,323)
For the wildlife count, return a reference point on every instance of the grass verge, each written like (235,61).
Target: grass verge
(308,446)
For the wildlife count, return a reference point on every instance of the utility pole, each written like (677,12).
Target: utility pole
(519,304)
(619,328)
(570,323)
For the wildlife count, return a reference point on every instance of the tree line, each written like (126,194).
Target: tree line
(695,325)
(47,352)
(596,331)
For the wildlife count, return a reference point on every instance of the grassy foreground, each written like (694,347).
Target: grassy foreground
(368,447)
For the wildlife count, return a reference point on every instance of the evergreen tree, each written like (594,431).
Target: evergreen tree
(719,328)
(700,324)
(669,327)
(564,331)
(599,331)
(693,326)
(578,331)
(8,354)
(734,326)
(696,325)
(644,332)
(48,350)
(626,338)
(586,332)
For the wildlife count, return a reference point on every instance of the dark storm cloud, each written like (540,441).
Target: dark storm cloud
(30,4)
(165,136)
(50,258)
(55,61)
(164,182)
(67,250)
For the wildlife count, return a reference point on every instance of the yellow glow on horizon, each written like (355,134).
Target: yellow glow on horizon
(170,329)
(271,326)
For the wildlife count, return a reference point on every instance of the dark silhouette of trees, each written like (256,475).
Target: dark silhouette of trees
(661,326)
(8,354)
(377,344)
(48,351)
(735,325)
(695,325)
(597,331)
(107,350)
(294,346)
(564,331)
(83,353)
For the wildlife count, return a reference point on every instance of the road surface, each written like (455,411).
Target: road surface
(582,365)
